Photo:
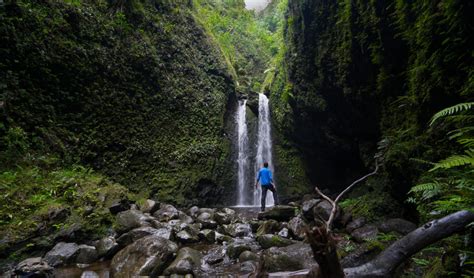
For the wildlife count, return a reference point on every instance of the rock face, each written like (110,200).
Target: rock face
(62,253)
(146,256)
(34,267)
(279,213)
(186,261)
(398,225)
(293,257)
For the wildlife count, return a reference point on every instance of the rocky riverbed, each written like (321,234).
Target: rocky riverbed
(161,240)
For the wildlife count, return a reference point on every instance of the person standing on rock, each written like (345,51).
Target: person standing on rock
(266,182)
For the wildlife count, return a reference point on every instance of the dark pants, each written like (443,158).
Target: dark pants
(265,188)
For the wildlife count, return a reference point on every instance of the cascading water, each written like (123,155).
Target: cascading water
(242,160)
(264,145)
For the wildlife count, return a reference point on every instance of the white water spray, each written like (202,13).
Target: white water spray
(242,160)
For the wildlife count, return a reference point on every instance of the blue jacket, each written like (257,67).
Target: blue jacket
(264,176)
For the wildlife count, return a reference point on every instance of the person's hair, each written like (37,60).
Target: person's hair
(265,164)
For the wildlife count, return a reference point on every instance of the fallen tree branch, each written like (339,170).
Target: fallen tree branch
(386,262)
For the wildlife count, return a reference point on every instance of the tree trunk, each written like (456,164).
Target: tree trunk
(385,264)
(325,253)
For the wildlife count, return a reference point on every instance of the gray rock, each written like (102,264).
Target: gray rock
(355,224)
(107,247)
(248,267)
(254,224)
(119,206)
(290,258)
(248,256)
(149,206)
(279,213)
(238,230)
(135,234)
(206,219)
(220,238)
(187,236)
(224,216)
(297,227)
(166,213)
(215,255)
(398,225)
(365,233)
(86,254)
(323,209)
(183,217)
(268,227)
(307,208)
(131,219)
(208,235)
(34,267)
(284,233)
(269,240)
(193,211)
(359,256)
(236,248)
(207,210)
(147,256)
(62,253)
(186,261)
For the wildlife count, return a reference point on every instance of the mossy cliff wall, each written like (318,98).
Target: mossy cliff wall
(135,89)
(356,72)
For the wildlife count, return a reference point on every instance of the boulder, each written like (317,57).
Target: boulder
(220,238)
(398,225)
(268,227)
(166,213)
(284,233)
(248,256)
(207,210)
(34,267)
(206,220)
(183,217)
(236,248)
(149,206)
(193,211)
(247,267)
(86,254)
(187,236)
(238,230)
(135,234)
(186,261)
(208,235)
(62,253)
(224,216)
(323,209)
(297,227)
(365,233)
(119,206)
(279,213)
(147,256)
(290,258)
(131,219)
(355,224)
(254,224)
(215,255)
(307,207)
(107,247)
(269,240)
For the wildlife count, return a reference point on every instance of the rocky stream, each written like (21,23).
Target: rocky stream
(158,240)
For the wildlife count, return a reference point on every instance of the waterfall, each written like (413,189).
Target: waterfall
(242,160)
(264,146)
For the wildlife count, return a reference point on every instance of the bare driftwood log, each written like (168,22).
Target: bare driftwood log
(385,264)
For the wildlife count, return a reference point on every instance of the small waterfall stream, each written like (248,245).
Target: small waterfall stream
(248,167)
(264,145)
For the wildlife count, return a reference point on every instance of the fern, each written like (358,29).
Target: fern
(452,110)
(456,161)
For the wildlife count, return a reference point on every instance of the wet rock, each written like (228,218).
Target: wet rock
(279,213)
(107,247)
(359,256)
(269,240)
(365,233)
(254,224)
(215,255)
(62,253)
(398,225)
(147,256)
(187,236)
(135,234)
(248,256)
(323,209)
(220,238)
(268,227)
(236,248)
(293,257)
(238,230)
(284,233)
(58,213)
(131,219)
(183,217)
(307,207)
(149,206)
(34,267)
(86,254)
(70,233)
(224,216)
(119,206)
(193,211)
(186,261)
(208,235)
(207,210)
(355,224)
(206,220)
(166,213)
(248,267)
(297,226)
